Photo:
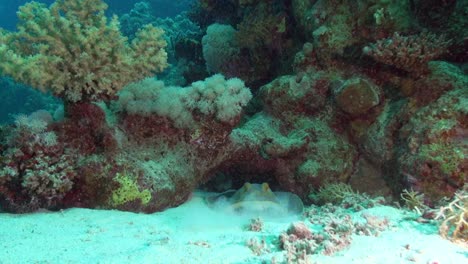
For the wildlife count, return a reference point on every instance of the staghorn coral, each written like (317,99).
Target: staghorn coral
(333,193)
(454,225)
(343,195)
(74,51)
(413,200)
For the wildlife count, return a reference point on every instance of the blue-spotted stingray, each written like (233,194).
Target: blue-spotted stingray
(257,199)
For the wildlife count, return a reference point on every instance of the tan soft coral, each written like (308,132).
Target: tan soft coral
(72,50)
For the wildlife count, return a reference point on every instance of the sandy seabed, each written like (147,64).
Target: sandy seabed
(195,233)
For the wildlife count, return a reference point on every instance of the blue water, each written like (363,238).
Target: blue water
(8,9)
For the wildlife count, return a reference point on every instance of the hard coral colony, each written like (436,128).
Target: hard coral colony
(323,99)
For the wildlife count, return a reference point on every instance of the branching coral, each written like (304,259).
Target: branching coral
(342,194)
(409,53)
(455,217)
(333,193)
(413,200)
(72,50)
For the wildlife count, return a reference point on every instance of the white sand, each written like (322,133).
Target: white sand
(193,233)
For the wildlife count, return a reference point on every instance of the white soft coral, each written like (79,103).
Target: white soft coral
(214,97)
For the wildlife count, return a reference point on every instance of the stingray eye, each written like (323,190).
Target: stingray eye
(265,186)
(247,186)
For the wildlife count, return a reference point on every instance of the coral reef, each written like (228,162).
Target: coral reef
(432,159)
(361,107)
(164,151)
(299,147)
(334,26)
